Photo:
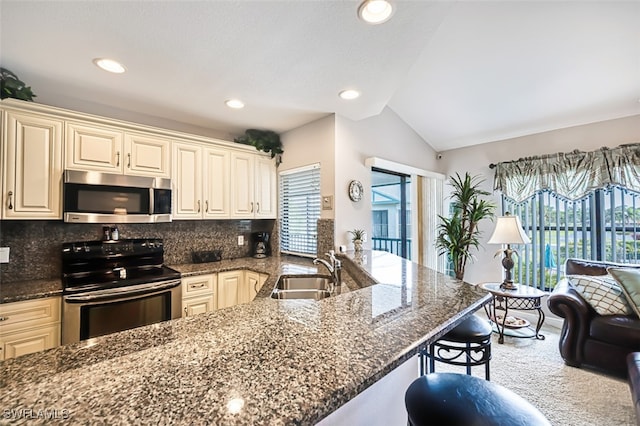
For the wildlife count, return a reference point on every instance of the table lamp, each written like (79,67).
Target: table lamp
(508,231)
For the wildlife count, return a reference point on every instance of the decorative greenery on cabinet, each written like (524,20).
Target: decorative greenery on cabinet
(12,87)
(263,140)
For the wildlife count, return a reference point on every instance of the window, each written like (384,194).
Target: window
(380,224)
(604,225)
(299,207)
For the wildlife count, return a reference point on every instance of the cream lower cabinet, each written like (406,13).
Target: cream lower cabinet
(229,285)
(29,326)
(235,287)
(198,294)
(31,166)
(253,283)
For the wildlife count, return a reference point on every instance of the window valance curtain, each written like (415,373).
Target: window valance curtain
(570,175)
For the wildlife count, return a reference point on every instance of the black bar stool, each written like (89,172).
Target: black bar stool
(468,344)
(457,399)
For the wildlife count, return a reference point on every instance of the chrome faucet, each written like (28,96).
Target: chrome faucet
(334,266)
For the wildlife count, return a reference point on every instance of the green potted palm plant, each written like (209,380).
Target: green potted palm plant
(357,239)
(459,233)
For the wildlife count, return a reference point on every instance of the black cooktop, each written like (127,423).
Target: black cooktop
(98,265)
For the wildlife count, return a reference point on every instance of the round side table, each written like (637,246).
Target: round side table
(522,298)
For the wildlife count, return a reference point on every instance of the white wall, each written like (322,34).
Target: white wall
(476,160)
(385,136)
(313,143)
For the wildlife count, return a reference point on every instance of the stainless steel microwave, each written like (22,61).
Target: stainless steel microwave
(96,197)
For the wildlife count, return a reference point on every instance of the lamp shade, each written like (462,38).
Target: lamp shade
(508,231)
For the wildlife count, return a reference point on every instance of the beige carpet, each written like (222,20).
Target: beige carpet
(565,395)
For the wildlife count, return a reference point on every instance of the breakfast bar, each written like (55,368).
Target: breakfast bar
(265,362)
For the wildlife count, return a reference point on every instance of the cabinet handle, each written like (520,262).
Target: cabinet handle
(200,285)
(251,207)
(258,209)
(129,160)
(198,206)
(118,159)
(206,206)
(4,318)
(10,200)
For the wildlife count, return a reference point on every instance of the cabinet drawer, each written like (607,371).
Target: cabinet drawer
(198,285)
(29,313)
(29,341)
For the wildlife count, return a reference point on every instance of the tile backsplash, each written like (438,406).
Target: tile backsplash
(36,245)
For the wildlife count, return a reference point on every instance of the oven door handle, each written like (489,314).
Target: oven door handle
(117,293)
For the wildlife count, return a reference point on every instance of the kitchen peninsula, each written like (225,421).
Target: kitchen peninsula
(265,362)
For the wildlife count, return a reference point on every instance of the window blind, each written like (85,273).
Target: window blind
(299,205)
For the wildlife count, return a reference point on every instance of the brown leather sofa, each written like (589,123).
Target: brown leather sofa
(588,338)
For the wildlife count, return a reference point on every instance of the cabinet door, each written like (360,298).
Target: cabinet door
(265,188)
(229,285)
(32,165)
(187,181)
(252,285)
(197,305)
(216,183)
(147,156)
(242,185)
(29,341)
(93,148)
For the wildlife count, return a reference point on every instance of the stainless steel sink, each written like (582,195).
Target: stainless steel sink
(314,287)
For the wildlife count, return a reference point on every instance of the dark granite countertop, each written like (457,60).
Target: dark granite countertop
(32,289)
(266,362)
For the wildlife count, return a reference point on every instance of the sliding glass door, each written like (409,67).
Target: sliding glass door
(391,209)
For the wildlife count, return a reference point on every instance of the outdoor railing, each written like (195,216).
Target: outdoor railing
(391,245)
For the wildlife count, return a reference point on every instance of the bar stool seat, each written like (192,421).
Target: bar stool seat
(459,399)
(468,344)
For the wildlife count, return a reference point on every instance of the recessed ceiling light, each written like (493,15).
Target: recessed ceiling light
(234,103)
(375,11)
(110,65)
(349,94)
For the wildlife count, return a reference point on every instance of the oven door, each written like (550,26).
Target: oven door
(101,312)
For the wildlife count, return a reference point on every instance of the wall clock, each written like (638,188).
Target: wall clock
(355,190)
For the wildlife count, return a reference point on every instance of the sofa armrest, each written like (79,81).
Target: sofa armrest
(567,303)
(633,366)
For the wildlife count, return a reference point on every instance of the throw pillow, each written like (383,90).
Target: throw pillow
(602,292)
(629,280)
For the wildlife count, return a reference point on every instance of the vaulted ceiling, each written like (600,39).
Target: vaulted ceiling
(459,73)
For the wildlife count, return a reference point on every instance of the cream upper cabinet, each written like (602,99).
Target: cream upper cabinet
(253,186)
(108,149)
(201,182)
(32,166)
(242,185)
(147,155)
(265,188)
(216,183)
(91,147)
(187,181)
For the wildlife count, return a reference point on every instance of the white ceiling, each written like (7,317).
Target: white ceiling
(459,73)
